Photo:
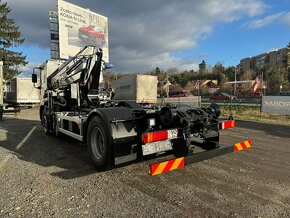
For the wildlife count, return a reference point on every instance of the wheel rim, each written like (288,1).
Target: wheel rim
(97,142)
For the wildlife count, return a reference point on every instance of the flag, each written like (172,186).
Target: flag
(196,84)
(256,83)
(167,85)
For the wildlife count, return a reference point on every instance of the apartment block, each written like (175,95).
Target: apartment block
(276,58)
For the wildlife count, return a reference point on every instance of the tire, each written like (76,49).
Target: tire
(99,144)
(1,112)
(45,123)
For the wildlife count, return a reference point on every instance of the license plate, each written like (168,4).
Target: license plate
(155,147)
(172,133)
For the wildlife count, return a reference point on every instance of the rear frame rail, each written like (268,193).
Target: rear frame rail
(173,164)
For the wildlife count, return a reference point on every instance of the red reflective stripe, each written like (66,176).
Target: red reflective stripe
(154,168)
(181,165)
(243,145)
(236,149)
(168,166)
(227,124)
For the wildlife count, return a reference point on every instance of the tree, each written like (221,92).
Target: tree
(288,59)
(246,76)
(202,67)
(222,79)
(230,73)
(10,37)
(275,80)
(218,68)
(157,70)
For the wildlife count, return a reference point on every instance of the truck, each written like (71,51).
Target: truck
(139,88)
(119,131)
(21,93)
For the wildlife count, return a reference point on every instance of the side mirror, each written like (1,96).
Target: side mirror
(34,78)
(108,65)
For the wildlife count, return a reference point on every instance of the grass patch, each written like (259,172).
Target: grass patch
(253,113)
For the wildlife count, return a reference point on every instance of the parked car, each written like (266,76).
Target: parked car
(180,93)
(92,35)
(253,95)
(222,96)
(284,93)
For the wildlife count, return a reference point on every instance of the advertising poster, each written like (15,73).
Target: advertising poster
(79,27)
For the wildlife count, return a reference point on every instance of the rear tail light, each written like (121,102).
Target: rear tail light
(154,136)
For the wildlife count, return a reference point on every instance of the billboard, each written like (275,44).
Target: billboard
(79,27)
(276,104)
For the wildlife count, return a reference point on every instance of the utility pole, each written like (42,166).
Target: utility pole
(263,86)
(167,88)
(235,85)
(199,97)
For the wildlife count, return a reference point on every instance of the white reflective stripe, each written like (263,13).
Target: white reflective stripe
(223,125)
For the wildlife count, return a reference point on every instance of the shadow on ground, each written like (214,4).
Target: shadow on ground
(17,136)
(64,152)
(270,129)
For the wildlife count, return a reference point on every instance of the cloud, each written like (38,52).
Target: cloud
(28,67)
(282,17)
(32,18)
(143,34)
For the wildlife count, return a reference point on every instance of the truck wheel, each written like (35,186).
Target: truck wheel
(98,142)
(44,123)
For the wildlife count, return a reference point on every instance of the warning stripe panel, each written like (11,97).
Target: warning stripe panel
(243,145)
(227,124)
(178,163)
(166,166)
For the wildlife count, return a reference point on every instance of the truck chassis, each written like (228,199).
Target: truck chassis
(118,132)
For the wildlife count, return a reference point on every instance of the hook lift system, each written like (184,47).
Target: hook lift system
(117,132)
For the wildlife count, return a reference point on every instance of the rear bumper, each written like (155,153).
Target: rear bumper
(166,166)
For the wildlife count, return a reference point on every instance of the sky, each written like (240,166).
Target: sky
(167,34)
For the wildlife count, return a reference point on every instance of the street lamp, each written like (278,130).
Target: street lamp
(264,90)
(281,88)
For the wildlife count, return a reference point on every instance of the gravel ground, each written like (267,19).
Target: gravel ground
(53,177)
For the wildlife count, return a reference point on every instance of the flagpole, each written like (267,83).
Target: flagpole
(263,83)
(235,82)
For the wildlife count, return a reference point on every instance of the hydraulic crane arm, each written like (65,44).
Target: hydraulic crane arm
(84,68)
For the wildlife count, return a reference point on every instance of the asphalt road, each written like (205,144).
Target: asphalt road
(53,177)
